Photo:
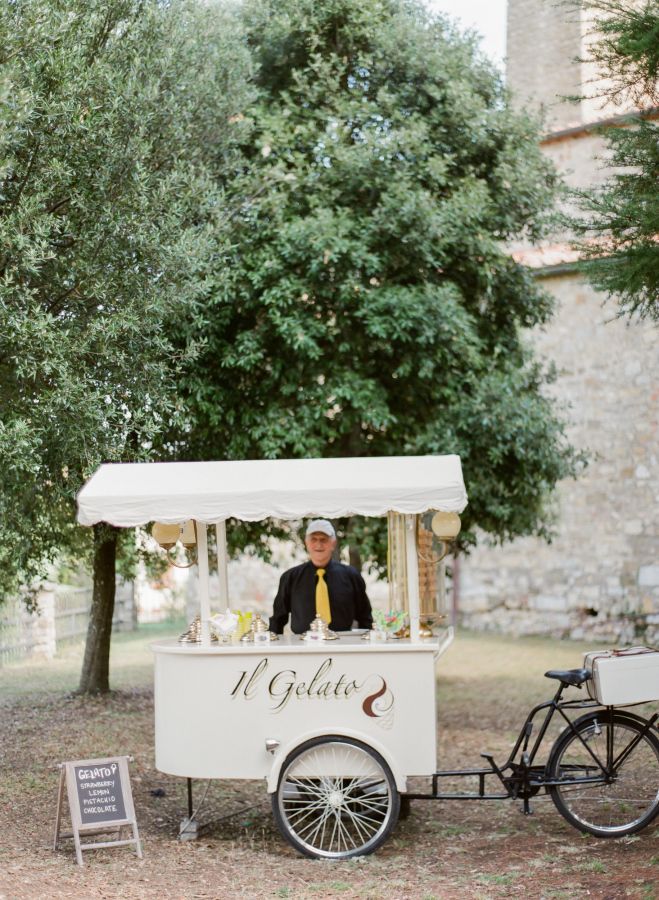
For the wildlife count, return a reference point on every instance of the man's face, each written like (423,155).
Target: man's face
(320,547)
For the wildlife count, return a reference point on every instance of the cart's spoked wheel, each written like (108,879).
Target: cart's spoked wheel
(336,798)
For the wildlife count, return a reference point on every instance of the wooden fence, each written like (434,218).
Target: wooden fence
(62,618)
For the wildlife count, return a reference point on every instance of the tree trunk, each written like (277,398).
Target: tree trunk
(94,678)
(355,557)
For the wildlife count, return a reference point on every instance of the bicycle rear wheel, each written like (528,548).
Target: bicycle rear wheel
(613,805)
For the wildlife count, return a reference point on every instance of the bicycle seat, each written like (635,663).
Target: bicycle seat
(574,677)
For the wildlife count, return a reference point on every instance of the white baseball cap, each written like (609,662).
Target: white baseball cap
(321,525)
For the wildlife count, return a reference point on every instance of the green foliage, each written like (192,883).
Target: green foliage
(622,222)
(113,127)
(626,49)
(619,233)
(191,270)
(366,304)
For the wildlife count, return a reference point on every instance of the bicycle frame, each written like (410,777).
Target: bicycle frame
(525,778)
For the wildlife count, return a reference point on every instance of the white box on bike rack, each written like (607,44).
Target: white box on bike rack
(623,677)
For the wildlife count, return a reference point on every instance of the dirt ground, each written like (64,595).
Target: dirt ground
(442,850)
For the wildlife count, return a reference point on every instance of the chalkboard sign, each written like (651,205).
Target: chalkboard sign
(100,792)
(100,801)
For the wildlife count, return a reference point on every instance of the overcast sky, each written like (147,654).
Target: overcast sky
(487,17)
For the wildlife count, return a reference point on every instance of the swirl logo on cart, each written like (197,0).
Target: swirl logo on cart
(325,684)
(380,705)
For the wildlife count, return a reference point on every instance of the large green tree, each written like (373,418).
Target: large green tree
(621,225)
(113,127)
(367,304)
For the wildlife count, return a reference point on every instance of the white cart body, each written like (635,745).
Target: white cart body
(217,704)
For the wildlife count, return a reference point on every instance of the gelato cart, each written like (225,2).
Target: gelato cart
(336,725)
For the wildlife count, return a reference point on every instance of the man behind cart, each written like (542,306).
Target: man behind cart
(321,587)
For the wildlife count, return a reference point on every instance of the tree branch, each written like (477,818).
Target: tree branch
(26,178)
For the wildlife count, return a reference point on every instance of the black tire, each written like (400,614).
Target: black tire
(336,798)
(608,807)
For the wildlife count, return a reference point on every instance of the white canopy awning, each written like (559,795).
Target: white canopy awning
(127,494)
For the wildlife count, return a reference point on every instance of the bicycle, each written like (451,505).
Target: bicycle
(602,772)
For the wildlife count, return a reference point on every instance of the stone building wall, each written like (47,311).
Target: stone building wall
(599,579)
(600,576)
(544,42)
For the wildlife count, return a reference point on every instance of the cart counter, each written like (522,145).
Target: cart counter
(216,706)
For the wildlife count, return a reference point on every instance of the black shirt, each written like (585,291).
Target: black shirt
(297,597)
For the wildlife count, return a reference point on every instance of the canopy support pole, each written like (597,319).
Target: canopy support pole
(204,598)
(222,564)
(412,575)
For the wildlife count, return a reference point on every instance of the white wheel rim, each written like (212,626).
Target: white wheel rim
(335,799)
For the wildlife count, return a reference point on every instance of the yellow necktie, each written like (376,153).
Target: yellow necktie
(322,597)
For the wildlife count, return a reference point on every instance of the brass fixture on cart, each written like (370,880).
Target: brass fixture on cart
(446,525)
(435,534)
(258,632)
(168,536)
(319,630)
(193,633)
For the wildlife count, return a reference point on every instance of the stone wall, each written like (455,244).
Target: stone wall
(544,42)
(547,49)
(599,579)
(600,576)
